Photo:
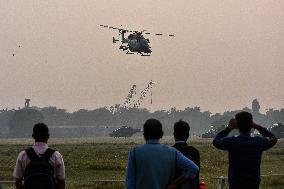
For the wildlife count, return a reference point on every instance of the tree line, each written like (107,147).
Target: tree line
(17,122)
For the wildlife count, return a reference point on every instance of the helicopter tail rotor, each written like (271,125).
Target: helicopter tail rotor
(114,40)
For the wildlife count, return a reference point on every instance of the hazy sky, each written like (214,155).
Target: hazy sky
(225,53)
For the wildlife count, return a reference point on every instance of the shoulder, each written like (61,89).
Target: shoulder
(159,147)
(264,139)
(139,146)
(230,138)
(57,158)
(193,149)
(170,148)
(57,155)
(22,155)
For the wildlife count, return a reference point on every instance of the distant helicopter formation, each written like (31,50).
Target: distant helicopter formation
(135,42)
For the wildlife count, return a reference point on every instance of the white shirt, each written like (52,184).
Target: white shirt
(56,161)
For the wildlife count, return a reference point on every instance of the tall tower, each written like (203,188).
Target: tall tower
(255,106)
(27,102)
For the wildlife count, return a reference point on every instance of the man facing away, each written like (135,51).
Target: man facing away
(181,134)
(244,151)
(153,165)
(39,150)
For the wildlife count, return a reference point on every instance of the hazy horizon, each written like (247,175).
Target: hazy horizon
(224,53)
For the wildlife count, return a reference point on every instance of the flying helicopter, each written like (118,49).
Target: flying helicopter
(135,42)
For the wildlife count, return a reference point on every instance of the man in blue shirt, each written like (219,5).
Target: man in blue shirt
(152,165)
(244,151)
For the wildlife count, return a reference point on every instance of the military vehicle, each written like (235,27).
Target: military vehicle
(124,131)
(278,130)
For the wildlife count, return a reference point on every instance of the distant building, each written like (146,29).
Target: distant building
(27,102)
(255,106)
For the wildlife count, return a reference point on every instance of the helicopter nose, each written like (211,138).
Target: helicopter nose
(148,51)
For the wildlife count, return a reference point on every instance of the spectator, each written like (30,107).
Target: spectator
(153,165)
(244,151)
(181,134)
(39,155)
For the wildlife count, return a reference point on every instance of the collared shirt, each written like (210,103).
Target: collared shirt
(189,169)
(244,154)
(56,161)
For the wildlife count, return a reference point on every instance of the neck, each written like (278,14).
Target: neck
(180,141)
(41,141)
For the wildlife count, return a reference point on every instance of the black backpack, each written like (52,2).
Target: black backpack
(39,174)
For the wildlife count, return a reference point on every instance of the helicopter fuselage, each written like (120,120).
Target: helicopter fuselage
(136,43)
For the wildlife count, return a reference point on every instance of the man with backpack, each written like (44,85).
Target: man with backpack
(40,166)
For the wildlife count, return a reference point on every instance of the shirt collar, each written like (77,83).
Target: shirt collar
(245,134)
(153,141)
(40,144)
(180,142)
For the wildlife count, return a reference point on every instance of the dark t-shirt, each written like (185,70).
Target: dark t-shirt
(193,154)
(244,155)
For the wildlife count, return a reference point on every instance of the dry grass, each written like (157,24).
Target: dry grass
(89,159)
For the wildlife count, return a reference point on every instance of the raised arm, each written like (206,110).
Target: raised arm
(268,140)
(221,141)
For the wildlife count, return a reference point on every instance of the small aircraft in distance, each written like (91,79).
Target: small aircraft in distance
(135,42)
(124,131)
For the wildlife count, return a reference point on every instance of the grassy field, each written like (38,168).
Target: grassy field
(87,160)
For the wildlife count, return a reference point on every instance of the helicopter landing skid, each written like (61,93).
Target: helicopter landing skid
(129,52)
(143,54)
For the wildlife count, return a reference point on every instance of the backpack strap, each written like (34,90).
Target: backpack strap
(31,154)
(48,153)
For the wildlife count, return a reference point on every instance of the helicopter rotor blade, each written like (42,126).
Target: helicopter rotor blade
(160,34)
(115,28)
(135,31)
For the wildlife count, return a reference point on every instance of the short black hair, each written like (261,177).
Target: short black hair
(153,129)
(244,121)
(40,132)
(181,130)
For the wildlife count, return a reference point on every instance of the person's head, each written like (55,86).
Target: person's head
(244,121)
(181,130)
(152,129)
(40,132)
